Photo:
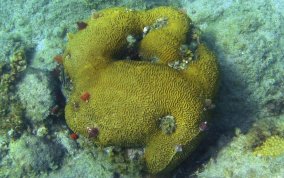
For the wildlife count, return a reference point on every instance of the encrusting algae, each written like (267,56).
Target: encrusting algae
(11,111)
(128,93)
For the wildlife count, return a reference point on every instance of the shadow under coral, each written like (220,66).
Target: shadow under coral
(234,109)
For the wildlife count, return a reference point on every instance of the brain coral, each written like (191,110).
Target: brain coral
(273,146)
(131,81)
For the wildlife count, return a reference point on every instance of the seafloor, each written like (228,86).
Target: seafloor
(247,37)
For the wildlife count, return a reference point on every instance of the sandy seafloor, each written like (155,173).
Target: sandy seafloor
(247,37)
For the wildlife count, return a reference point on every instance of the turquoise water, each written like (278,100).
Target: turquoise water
(35,140)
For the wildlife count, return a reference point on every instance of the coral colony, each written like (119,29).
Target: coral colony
(147,99)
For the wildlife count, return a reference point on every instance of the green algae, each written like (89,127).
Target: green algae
(11,111)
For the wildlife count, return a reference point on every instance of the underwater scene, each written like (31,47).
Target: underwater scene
(141,89)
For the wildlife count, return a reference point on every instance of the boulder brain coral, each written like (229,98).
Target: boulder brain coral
(273,146)
(129,69)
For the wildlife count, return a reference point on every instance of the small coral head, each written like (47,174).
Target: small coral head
(76,106)
(93,132)
(167,124)
(178,148)
(85,96)
(208,104)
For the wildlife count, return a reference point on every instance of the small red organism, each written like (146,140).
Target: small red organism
(93,132)
(74,136)
(85,96)
(58,59)
(81,25)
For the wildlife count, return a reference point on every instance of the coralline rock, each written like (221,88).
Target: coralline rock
(120,102)
(33,155)
(35,93)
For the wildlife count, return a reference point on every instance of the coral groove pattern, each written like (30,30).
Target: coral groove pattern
(127,98)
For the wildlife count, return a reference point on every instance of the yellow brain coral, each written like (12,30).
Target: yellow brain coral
(122,97)
(273,146)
